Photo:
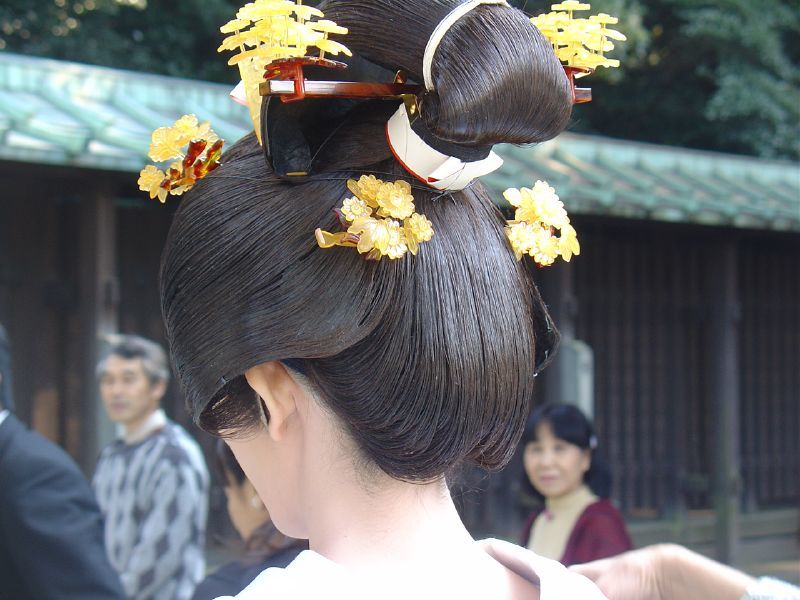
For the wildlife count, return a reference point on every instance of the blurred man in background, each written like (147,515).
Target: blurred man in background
(152,482)
(51,530)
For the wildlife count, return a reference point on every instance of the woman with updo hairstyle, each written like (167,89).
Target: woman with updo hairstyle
(564,471)
(357,384)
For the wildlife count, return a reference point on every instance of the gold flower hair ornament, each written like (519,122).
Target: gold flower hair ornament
(580,44)
(197,150)
(381,220)
(539,214)
(266,32)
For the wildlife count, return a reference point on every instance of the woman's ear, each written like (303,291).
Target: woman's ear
(276,388)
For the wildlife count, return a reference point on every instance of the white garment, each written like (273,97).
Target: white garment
(3,415)
(311,576)
(156,420)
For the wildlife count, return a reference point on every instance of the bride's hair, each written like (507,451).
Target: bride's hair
(428,360)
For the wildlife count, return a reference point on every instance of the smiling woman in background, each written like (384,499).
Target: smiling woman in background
(578,523)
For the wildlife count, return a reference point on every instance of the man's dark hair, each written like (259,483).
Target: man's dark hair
(154,359)
(6,396)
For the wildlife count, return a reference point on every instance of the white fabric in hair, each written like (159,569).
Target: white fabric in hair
(427,164)
(441,30)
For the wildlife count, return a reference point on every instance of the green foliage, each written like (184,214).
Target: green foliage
(719,75)
(714,74)
(169,37)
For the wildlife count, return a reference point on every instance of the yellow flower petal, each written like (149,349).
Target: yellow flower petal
(235,25)
(353,208)
(150,180)
(328,27)
(395,200)
(166,144)
(418,228)
(514,196)
(571,5)
(333,47)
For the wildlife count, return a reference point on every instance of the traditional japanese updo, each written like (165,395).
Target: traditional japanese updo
(427,360)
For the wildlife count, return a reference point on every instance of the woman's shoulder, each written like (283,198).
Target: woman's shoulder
(599,533)
(601,509)
(309,575)
(555,581)
(235,576)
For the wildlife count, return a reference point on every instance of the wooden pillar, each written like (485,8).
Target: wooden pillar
(724,364)
(98,314)
(563,304)
(569,376)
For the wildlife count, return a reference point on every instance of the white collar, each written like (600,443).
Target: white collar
(427,164)
(3,414)
(312,575)
(157,420)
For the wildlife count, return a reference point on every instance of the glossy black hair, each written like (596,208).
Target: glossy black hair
(427,361)
(568,423)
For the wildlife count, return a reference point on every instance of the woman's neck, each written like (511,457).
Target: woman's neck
(366,527)
(576,499)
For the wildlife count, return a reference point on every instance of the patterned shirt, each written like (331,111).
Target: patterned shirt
(154,495)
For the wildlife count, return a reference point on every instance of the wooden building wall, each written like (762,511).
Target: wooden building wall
(647,298)
(75,262)
(39,249)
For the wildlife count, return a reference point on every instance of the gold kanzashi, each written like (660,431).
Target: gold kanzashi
(579,43)
(268,30)
(381,220)
(539,214)
(197,150)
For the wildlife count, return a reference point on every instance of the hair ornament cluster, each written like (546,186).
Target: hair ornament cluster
(539,215)
(381,220)
(266,32)
(197,150)
(580,44)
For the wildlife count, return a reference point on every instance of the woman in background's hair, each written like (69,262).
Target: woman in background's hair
(358,385)
(578,523)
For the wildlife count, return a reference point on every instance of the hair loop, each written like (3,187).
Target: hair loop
(441,30)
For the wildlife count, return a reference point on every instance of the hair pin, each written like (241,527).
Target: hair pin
(197,150)
(381,220)
(580,44)
(539,214)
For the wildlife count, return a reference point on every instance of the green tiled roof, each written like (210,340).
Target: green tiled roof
(54,112)
(602,176)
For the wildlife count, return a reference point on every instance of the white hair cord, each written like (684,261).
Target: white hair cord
(441,30)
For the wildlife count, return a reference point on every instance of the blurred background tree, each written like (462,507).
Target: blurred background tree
(720,75)
(177,38)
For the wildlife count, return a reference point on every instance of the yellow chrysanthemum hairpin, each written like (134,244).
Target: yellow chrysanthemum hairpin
(195,149)
(267,32)
(381,220)
(580,44)
(539,214)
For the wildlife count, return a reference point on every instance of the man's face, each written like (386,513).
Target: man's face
(128,394)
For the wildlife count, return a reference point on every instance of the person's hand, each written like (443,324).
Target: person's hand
(665,572)
(631,576)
